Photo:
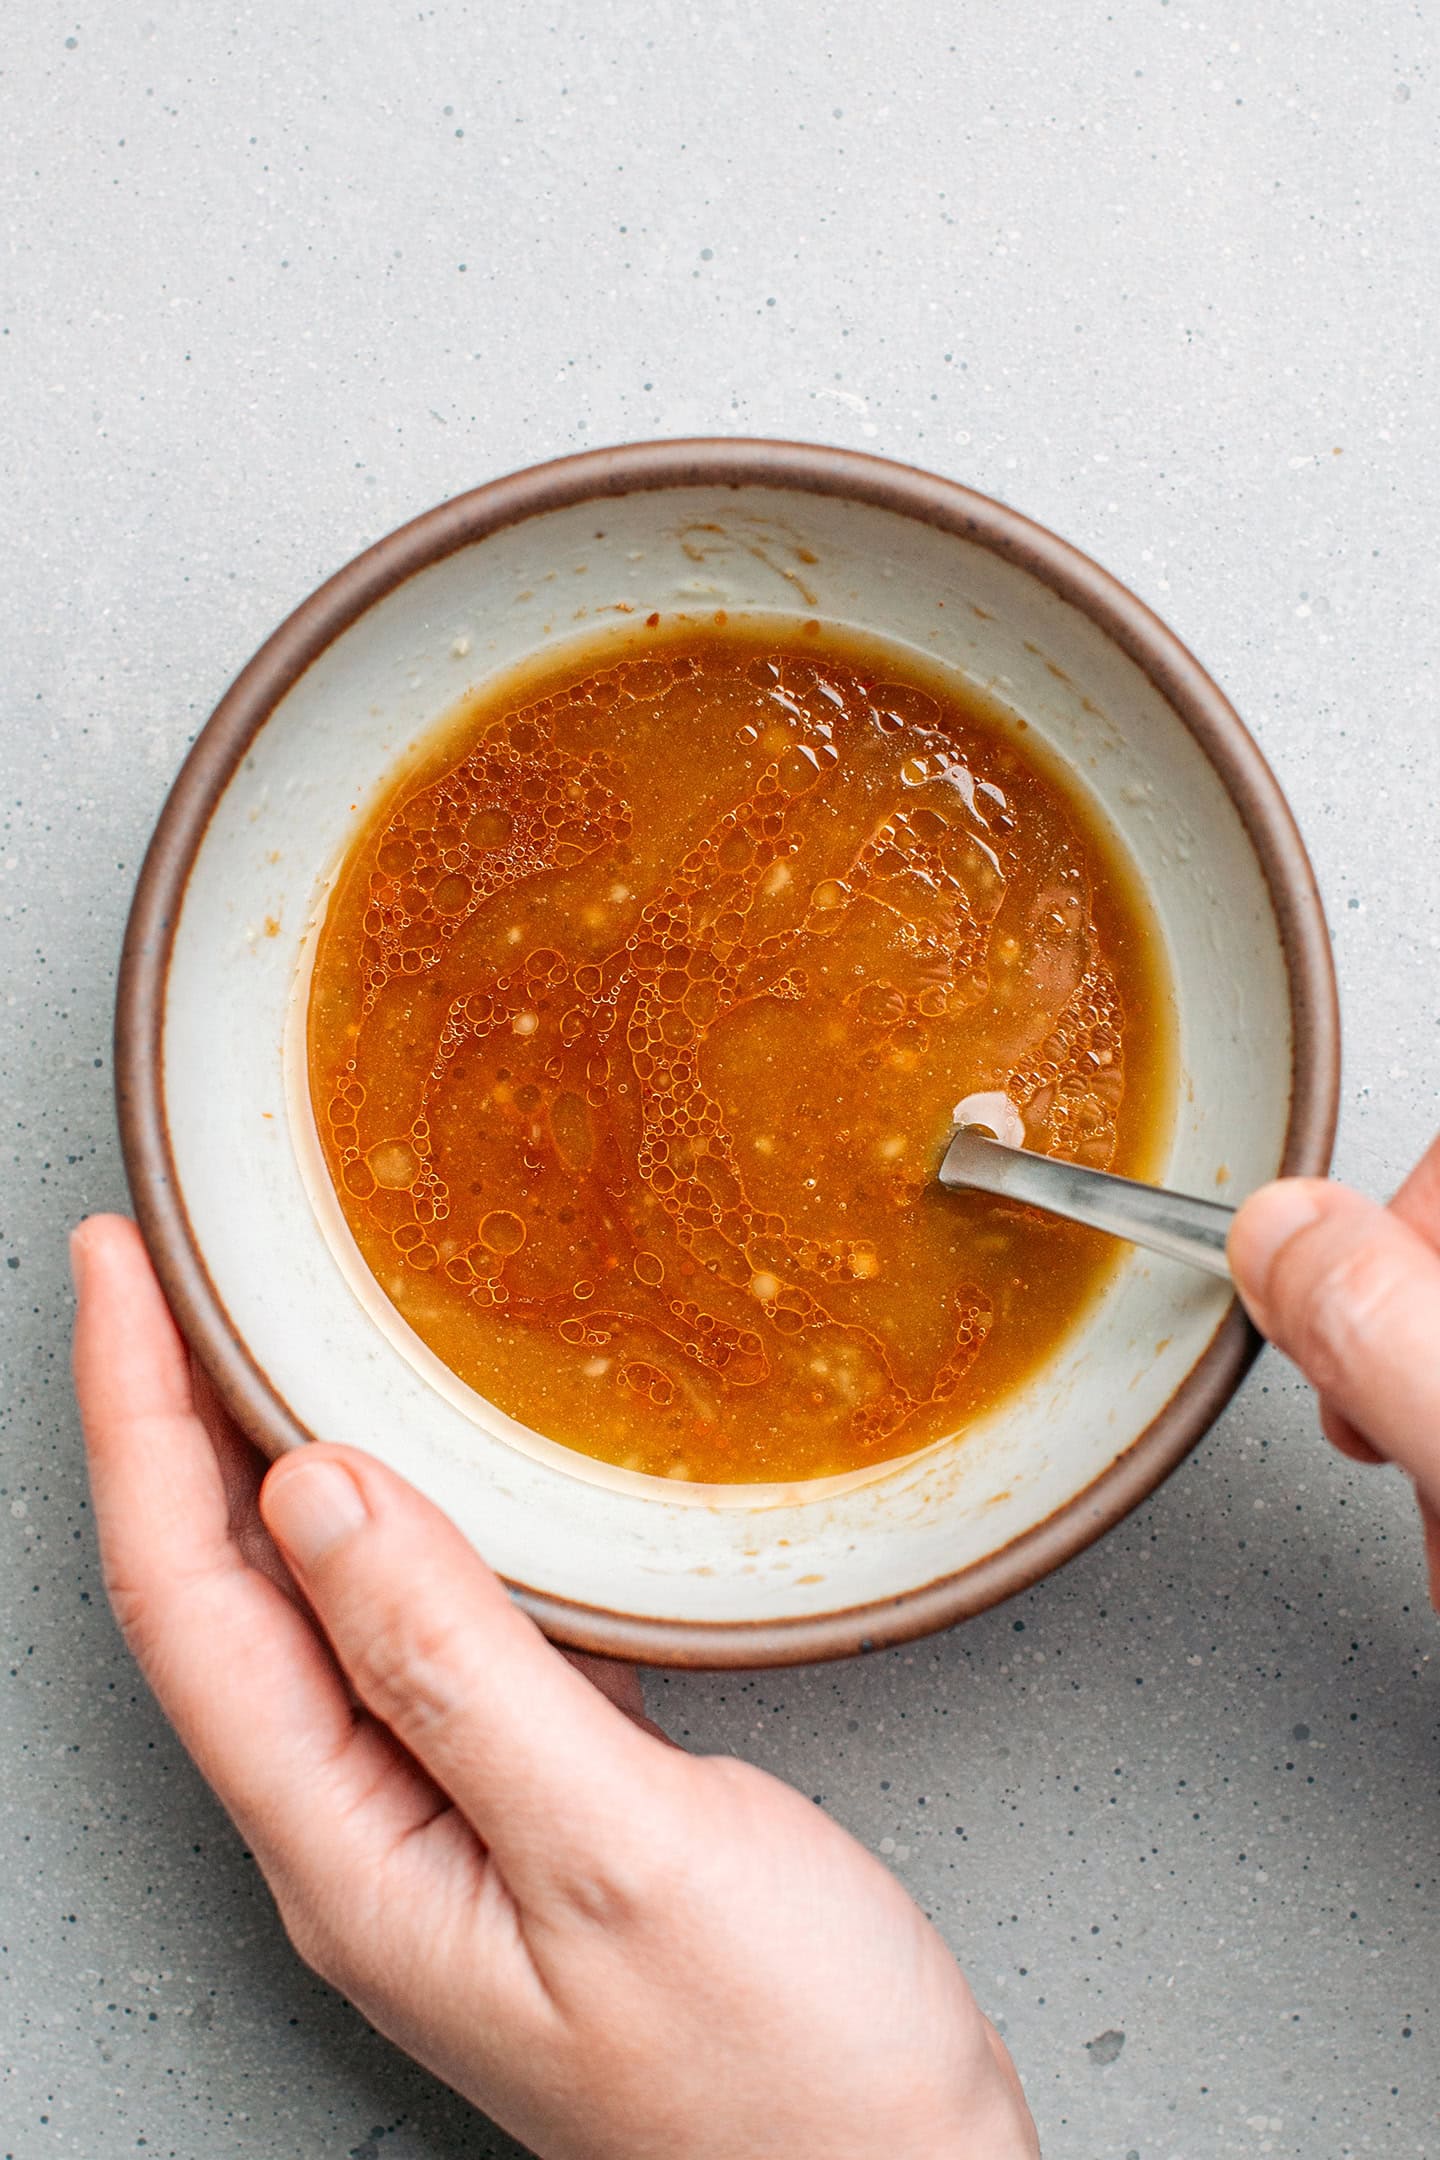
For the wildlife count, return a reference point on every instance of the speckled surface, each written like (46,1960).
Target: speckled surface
(275,279)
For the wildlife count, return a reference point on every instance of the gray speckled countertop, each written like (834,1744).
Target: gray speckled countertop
(1162,275)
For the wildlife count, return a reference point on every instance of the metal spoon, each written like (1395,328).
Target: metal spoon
(1164,1222)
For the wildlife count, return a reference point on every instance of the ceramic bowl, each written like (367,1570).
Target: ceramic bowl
(221,1154)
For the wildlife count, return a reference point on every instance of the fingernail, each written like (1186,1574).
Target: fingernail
(313,1508)
(77,1254)
(1268,1221)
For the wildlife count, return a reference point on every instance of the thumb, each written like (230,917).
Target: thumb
(550,1774)
(1352,1294)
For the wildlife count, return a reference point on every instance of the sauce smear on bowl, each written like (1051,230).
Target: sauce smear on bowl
(637,1019)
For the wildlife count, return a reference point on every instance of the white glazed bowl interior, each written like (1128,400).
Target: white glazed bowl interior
(629,1547)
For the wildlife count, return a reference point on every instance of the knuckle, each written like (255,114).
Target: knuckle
(317,1944)
(639,1875)
(635,1888)
(1337,1311)
(609,1896)
(134,1611)
(342,1937)
(410,1671)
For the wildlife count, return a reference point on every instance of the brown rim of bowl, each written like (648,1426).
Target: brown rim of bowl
(809,468)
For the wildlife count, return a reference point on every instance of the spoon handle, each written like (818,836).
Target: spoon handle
(1164,1222)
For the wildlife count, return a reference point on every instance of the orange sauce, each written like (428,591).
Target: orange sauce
(638,1015)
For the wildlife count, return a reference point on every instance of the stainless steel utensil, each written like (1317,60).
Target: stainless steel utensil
(1175,1224)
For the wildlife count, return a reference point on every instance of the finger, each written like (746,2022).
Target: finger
(1353,1295)
(1343,1436)
(1418,1200)
(242,1468)
(242,1674)
(549,1772)
(1417,1203)
(619,1684)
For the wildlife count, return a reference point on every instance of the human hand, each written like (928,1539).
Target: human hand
(617,1950)
(1351,1291)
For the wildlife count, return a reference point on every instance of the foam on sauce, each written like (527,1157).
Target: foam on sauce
(637,1019)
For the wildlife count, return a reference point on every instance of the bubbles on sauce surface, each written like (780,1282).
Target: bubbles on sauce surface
(635,1029)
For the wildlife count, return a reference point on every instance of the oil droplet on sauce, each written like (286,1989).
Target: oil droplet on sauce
(638,1018)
